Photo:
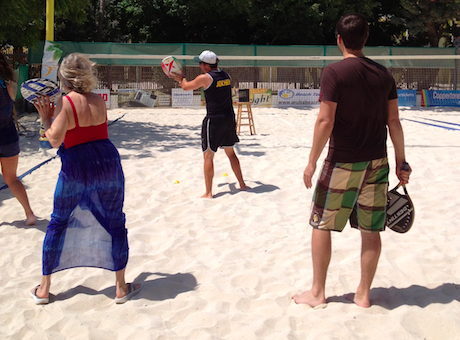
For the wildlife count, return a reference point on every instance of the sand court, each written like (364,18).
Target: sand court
(226,268)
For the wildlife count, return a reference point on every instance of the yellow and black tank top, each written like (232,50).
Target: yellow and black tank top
(218,95)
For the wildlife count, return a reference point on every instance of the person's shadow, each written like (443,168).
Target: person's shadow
(258,188)
(167,286)
(40,224)
(415,295)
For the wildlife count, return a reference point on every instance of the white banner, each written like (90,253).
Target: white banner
(288,97)
(181,98)
(105,94)
(50,62)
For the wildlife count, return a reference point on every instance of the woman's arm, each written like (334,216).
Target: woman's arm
(55,132)
(10,89)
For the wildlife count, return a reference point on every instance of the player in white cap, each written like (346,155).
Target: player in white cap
(219,125)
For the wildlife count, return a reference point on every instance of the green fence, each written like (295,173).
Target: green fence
(137,66)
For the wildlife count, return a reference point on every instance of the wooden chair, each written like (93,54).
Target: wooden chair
(248,117)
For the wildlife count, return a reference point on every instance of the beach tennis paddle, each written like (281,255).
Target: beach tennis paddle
(400,209)
(33,88)
(171,66)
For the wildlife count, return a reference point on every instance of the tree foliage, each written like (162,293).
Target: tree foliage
(23,21)
(21,24)
(281,22)
(426,21)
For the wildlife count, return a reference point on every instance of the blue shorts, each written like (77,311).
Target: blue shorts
(9,150)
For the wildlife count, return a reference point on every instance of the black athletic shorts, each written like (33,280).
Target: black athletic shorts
(9,150)
(218,132)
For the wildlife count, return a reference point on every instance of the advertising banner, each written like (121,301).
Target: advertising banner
(407,97)
(260,97)
(181,98)
(105,94)
(440,98)
(50,62)
(288,97)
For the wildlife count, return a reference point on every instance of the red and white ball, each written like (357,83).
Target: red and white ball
(171,66)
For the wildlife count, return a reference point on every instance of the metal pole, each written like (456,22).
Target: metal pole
(50,20)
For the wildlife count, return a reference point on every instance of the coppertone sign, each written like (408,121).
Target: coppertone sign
(440,98)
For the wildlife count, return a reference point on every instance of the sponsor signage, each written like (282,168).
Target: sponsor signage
(105,94)
(50,63)
(407,97)
(181,98)
(440,98)
(260,97)
(295,97)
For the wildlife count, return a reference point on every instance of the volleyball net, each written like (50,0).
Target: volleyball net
(132,72)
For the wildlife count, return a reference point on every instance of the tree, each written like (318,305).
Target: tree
(275,22)
(23,21)
(334,9)
(289,22)
(426,21)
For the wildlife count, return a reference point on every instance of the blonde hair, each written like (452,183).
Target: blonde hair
(77,73)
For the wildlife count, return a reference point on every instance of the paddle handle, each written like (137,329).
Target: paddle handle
(405,167)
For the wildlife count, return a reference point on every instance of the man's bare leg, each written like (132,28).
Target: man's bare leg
(321,256)
(208,172)
(370,253)
(235,163)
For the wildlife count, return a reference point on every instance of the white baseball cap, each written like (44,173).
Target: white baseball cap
(208,57)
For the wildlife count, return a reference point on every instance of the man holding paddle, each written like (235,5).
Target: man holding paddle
(358,102)
(219,126)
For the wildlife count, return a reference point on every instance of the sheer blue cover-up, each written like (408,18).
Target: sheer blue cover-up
(87,227)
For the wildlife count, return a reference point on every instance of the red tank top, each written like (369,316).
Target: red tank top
(80,135)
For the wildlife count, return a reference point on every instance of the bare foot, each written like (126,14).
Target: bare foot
(309,299)
(30,220)
(359,301)
(243,187)
(207,195)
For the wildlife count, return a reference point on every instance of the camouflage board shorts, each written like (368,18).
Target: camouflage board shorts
(351,191)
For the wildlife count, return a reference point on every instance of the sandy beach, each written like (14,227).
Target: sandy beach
(226,268)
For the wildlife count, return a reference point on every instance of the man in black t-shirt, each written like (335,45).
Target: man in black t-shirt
(358,102)
(219,126)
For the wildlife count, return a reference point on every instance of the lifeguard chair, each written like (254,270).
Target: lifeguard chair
(244,112)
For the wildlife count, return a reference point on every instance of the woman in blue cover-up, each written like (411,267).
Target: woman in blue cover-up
(87,227)
(9,140)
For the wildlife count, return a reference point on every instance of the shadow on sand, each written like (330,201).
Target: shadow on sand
(165,287)
(415,295)
(259,188)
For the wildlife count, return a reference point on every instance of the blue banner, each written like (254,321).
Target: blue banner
(440,98)
(407,97)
